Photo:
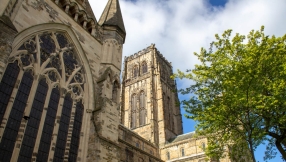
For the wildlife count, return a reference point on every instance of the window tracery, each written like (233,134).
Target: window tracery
(48,62)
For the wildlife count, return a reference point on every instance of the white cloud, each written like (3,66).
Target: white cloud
(181,27)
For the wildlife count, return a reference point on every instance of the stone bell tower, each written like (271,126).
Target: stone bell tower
(149,98)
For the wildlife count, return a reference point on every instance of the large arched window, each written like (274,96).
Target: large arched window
(45,81)
(135,71)
(144,67)
(142,113)
(133,110)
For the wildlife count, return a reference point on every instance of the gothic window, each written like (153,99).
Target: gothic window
(129,156)
(115,91)
(203,146)
(144,67)
(44,70)
(182,152)
(133,110)
(141,160)
(168,155)
(142,114)
(135,72)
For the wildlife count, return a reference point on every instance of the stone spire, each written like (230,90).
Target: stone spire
(111,16)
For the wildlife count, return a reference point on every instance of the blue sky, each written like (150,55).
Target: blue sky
(181,27)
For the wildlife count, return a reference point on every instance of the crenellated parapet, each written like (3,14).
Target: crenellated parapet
(146,50)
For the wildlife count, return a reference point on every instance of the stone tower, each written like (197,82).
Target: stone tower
(149,99)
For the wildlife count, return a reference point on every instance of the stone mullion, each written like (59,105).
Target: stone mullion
(24,122)
(69,136)
(10,104)
(41,125)
(56,127)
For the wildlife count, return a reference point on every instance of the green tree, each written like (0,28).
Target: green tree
(239,93)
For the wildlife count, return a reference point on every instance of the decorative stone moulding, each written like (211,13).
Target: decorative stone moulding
(86,20)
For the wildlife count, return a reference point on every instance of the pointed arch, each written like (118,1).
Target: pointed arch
(133,111)
(51,64)
(142,109)
(144,67)
(135,71)
(115,88)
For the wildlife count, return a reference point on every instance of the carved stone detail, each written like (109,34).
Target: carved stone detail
(41,5)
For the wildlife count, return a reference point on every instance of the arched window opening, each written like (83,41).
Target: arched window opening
(142,115)
(135,72)
(115,91)
(203,146)
(133,111)
(168,155)
(31,94)
(182,152)
(144,67)
(129,156)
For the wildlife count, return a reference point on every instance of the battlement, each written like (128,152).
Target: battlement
(146,50)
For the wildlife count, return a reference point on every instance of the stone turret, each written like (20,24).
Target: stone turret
(114,34)
(111,18)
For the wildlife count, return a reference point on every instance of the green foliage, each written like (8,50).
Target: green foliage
(239,93)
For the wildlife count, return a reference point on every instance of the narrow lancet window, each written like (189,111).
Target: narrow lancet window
(142,114)
(144,67)
(133,111)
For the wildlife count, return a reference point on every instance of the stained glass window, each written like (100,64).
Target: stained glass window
(16,115)
(63,130)
(46,137)
(7,85)
(76,132)
(33,122)
(59,70)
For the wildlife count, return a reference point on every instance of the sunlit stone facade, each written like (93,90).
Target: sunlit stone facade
(60,89)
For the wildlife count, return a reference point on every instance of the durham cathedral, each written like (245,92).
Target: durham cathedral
(61,97)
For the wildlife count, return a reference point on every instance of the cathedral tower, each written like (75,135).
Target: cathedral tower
(149,99)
